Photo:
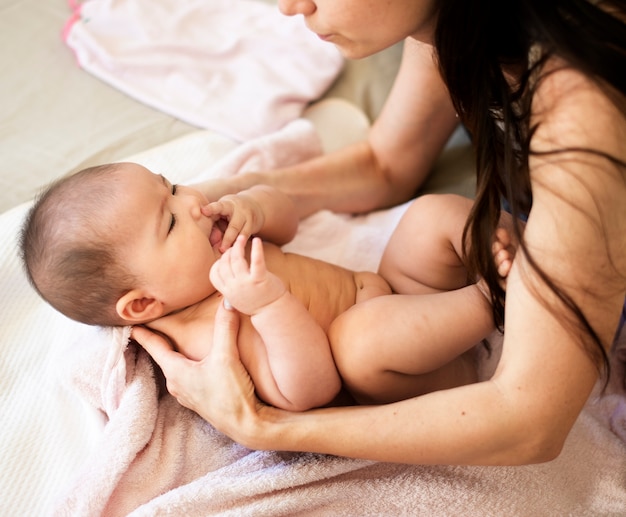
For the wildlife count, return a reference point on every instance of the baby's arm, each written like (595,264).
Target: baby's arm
(261,210)
(298,352)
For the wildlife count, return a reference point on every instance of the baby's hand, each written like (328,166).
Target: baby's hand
(244,215)
(247,288)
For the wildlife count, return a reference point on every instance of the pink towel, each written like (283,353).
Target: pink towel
(237,67)
(155,457)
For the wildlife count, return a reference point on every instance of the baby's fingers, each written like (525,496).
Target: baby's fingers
(257,259)
(238,262)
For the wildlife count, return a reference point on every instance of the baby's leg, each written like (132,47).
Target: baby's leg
(424,254)
(394,347)
(402,346)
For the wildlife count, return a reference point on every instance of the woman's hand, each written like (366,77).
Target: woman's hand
(218,388)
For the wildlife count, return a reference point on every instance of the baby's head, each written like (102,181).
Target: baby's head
(117,244)
(70,243)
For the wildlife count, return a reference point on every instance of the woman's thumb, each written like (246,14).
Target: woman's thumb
(226,329)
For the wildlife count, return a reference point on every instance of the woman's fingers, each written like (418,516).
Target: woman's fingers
(219,387)
(226,330)
(157,346)
(216,381)
(229,391)
(171,363)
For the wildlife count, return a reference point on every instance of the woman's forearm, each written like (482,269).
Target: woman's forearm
(280,215)
(347,181)
(522,415)
(471,425)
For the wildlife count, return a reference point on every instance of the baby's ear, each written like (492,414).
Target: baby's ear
(135,307)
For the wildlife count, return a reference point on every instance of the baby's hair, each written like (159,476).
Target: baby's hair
(70,251)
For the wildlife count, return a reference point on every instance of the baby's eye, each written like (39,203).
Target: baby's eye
(174,189)
(172,224)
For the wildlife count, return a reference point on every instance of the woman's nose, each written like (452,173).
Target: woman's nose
(293,7)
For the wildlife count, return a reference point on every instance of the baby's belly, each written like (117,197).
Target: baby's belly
(369,285)
(328,290)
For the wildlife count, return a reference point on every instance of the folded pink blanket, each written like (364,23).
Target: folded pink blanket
(155,457)
(237,67)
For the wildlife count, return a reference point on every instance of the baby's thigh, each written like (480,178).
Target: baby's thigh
(424,253)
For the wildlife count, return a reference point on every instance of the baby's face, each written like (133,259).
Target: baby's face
(170,245)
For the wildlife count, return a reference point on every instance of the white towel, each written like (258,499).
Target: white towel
(237,67)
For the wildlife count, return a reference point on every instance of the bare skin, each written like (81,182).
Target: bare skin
(332,296)
(503,252)
(431,262)
(576,231)
(384,170)
(323,290)
(524,413)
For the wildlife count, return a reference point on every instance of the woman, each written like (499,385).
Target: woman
(540,86)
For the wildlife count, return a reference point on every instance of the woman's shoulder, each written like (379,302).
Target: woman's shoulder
(570,109)
(578,158)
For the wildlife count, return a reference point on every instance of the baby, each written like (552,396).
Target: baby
(118,245)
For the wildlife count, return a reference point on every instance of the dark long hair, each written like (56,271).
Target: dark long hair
(476,40)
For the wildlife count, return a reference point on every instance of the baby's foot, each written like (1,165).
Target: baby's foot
(503,252)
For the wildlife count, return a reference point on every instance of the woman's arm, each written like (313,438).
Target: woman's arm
(524,413)
(520,416)
(576,233)
(385,169)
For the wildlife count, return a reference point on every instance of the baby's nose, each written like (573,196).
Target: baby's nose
(194,206)
(195,210)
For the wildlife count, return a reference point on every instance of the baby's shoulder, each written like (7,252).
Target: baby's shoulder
(191,329)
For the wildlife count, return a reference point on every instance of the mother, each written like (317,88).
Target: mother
(541,88)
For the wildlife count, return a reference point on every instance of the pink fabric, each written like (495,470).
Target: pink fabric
(237,67)
(154,457)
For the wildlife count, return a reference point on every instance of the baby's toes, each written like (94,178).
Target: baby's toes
(503,237)
(503,262)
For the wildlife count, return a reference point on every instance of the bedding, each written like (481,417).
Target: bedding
(89,435)
(57,118)
(217,64)
(60,424)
